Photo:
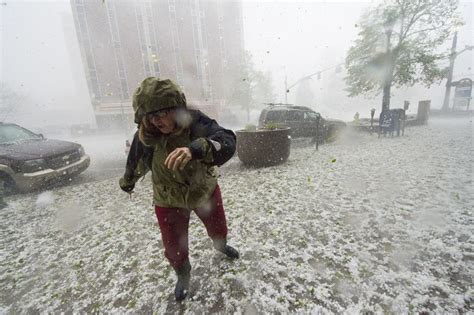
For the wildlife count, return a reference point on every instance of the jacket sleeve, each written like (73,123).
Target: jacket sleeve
(138,161)
(211,143)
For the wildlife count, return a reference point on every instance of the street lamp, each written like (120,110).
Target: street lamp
(388,28)
(287,88)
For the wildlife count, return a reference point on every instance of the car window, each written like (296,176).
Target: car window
(311,116)
(12,134)
(294,115)
(276,115)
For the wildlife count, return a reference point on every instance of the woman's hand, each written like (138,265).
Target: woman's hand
(178,158)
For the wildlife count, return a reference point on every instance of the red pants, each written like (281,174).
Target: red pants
(174,223)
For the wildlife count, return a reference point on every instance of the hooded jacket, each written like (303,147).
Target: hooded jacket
(210,146)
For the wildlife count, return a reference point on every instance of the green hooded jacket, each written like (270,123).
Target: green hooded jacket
(209,143)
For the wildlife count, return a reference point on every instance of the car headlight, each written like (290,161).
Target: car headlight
(81,151)
(33,166)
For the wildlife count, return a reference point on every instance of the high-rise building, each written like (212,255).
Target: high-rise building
(196,43)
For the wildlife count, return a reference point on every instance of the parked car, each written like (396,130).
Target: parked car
(29,160)
(302,120)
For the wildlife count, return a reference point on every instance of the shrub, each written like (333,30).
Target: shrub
(270,126)
(250,127)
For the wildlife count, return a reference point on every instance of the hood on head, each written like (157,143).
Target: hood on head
(154,94)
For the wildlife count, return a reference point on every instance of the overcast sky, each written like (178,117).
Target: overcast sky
(36,60)
(300,38)
(39,53)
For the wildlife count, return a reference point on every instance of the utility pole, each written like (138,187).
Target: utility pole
(452,57)
(288,88)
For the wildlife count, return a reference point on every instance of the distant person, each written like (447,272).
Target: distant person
(356,118)
(182,148)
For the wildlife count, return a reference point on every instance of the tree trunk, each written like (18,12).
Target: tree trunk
(386,95)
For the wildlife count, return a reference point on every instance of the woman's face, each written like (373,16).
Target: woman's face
(164,120)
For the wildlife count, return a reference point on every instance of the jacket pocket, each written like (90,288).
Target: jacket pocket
(170,196)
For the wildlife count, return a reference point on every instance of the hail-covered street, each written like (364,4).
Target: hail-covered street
(382,225)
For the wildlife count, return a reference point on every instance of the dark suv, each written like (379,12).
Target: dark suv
(28,160)
(302,120)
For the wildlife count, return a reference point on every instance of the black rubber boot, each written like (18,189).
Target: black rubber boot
(229,251)
(182,285)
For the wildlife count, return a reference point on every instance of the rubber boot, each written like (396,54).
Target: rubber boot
(229,251)
(182,285)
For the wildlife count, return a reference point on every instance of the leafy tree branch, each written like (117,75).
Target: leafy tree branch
(419,28)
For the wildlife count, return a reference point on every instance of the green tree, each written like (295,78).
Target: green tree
(251,87)
(399,44)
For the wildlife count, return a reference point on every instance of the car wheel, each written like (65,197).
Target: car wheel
(7,185)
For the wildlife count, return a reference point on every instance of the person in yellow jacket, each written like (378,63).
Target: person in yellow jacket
(181,147)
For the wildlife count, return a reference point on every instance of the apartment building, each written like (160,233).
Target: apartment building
(196,43)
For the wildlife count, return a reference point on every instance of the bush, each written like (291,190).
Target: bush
(271,126)
(250,127)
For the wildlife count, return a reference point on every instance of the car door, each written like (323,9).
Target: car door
(310,123)
(295,119)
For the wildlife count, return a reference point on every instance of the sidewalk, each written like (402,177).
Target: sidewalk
(364,225)
(364,124)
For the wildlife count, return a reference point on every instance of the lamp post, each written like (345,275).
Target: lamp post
(318,120)
(287,88)
(387,84)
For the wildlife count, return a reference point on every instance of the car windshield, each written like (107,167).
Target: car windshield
(10,134)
